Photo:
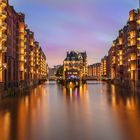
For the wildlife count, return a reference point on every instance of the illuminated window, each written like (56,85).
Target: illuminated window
(131,16)
(132,34)
(120,41)
(133,56)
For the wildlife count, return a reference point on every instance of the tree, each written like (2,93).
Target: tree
(59,72)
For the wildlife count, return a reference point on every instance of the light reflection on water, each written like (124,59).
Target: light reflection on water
(94,111)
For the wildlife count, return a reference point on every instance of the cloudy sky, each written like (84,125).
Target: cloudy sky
(82,25)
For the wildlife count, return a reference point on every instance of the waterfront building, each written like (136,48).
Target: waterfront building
(75,65)
(31,54)
(36,57)
(8,45)
(112,61)
(21,46)
(90,71)
(124,55)
(42,65)
(3,38)
(132,49)
(94,71)
(104,67)
(22,61)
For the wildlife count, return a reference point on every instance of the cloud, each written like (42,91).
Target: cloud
(62,25)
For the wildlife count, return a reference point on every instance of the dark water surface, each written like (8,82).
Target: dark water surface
(96,111)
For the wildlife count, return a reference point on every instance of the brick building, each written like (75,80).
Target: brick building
(22,61)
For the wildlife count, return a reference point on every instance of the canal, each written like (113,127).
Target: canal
(94,111)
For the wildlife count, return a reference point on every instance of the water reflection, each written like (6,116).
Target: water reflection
(126,105)
(94,111)
(73,93)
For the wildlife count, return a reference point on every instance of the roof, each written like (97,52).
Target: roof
(76,56)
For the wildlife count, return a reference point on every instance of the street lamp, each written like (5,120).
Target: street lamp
(3,66)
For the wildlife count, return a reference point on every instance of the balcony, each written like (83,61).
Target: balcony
(21,35)
(21,58)
(31,64)
(31,54)
(3,38)
(22,52)
(3,27)
(3,3)
(3,15)
(25,40)
(3,49)
(21,66)
(32,59)
(21,38)
(21,45)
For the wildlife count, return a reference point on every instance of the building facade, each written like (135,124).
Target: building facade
(104,67)
(94,71)
(90,71)
(75,65)
(3,41)
(124,55)
(22,61)
(97,70)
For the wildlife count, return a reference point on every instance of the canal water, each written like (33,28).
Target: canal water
(94,111)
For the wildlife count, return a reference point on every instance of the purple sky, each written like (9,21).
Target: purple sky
(82,25)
